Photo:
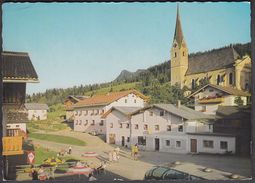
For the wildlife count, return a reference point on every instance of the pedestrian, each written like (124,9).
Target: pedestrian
(69,150)
(132,151)
(117,153)
(110,156)
(114,155)
(34,173)
(136,152)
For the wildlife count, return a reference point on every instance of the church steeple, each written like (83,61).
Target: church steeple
(179,55)
(178,35)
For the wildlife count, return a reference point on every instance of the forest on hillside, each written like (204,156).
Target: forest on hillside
(153,81)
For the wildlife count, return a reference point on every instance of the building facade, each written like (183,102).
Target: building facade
(88,112)
(222,66)
(208,98)
(36,111)
(166,128)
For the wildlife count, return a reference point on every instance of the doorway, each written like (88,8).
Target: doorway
(112,138)
(193,145)
(123,141)
(156,144)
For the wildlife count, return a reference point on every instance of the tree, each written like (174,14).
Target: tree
(238,101)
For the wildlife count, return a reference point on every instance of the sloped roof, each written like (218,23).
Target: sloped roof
(181,111)
(18,66)
(124,110)
(36,106)
(228,90)
(107,98)
(212,60)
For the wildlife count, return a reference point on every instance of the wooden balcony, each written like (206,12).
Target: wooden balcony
(12,145)
(211,100)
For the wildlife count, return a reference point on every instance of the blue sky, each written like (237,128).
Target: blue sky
(85,43)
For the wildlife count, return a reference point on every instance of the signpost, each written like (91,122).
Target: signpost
(12,145)
(31,157)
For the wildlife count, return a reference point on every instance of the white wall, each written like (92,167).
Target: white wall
(130,100)
(114,119)
(33,114)
(172,148)
(216,147)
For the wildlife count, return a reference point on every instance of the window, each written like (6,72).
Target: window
(161,113)
(92,112)
(151,113)
(80,122)
(128,139)
(218,79)
(80,113)
(208,143)
(178,144)
(156,127)
(183,53)
(101,123)
(125,100)
(135,101)
(180,128)
(127,125)
(203,108)
(111,125)
(210,126)
(167,142)
(86,113)
(141,140)
(136,126)
(175,54)
(145,127)
(168,128)
(223,145)
(230,80)
(86,123)
(93,122)
(17,125)
(77,122)
(120,125)
(193,83)
(97,112)
(246,87)
(211,90)
(102,112)
(76,113)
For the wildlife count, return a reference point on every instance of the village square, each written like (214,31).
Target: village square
(191,123)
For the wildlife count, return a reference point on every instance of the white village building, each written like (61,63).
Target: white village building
(88,112)
(208,98)
(166,128)
(36,111)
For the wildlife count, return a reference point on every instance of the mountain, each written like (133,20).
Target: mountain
(126,75)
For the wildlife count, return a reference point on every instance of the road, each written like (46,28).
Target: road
(135,170)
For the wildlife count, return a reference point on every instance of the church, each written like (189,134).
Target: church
(223,66)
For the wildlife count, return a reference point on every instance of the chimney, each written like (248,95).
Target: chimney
(178,103)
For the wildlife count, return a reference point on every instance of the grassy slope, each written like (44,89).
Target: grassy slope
(123,86)
(42,153)
(53,123)
(58,139)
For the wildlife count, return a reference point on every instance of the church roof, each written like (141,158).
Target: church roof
(178,35)
(212,60)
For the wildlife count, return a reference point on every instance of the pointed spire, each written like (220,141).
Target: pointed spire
(178,35)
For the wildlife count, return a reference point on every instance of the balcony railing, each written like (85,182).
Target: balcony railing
(211,100)
(12,145)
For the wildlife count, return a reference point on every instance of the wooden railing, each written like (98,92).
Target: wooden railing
(12,145)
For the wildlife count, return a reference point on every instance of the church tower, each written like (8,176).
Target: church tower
(179,55)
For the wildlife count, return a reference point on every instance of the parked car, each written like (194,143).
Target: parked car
(165,173)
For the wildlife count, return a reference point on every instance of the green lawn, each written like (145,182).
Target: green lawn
(54,122)
(42,153)
(58,139)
